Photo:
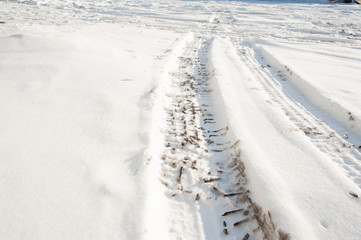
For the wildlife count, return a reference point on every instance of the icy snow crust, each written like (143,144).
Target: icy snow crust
(180,120)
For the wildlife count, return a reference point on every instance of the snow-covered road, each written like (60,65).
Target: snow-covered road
(180,120)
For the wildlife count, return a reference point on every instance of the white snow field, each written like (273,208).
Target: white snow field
(180,120)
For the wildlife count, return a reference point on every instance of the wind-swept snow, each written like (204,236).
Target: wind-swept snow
(180,120)
(74,128)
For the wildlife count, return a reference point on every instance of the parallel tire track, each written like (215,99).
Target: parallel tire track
(201,161)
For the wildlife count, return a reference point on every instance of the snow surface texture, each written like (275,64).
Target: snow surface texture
(180,120)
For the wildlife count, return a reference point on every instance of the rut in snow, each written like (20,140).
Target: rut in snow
(276,82)
(201,160)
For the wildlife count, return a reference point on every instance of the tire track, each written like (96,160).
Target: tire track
(276,83)
(201,165)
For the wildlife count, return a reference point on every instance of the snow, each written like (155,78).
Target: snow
(135,119)
(74,127)
(276,169)
(330,80)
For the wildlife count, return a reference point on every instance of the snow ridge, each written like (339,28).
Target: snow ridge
(275,81)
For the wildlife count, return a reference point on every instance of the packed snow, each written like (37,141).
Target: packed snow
(180,119)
